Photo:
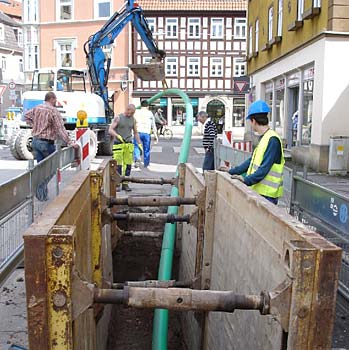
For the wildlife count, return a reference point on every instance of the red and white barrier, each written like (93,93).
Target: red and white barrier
(243,146)
(83,140)
(240,145)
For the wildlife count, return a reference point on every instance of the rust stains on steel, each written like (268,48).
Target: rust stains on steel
(180,299)
(96,226)
(59,261)
(146,181)
(153,284)
(151,217)
(155,201)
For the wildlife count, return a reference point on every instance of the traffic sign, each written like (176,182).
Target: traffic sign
(240,85)
(2,89)
(11,85)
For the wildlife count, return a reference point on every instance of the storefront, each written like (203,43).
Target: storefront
(239,112)
(290,98)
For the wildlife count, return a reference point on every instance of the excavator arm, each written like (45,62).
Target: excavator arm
(98,62)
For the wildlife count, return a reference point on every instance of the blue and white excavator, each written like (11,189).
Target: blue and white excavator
(70,84)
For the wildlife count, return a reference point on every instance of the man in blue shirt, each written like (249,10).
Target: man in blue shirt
(264,169)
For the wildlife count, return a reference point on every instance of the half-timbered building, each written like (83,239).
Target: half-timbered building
(205,44)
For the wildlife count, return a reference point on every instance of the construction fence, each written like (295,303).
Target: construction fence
(25,197)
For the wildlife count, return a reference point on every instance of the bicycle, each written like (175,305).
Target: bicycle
(166,132)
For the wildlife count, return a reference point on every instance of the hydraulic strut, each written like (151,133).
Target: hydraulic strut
(150,217)
(182,299)
(146,181)
(155,201)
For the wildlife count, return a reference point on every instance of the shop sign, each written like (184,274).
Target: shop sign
(293,79)
(308,74)
(163,101)
(194,101)
(280,84)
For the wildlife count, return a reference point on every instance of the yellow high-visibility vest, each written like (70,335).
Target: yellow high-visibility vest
(272,184)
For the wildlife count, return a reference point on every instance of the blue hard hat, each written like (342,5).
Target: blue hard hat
(258,107)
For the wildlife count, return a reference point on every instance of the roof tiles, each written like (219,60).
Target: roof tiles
(193,5)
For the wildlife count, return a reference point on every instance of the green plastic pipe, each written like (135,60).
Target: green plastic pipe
(160,324)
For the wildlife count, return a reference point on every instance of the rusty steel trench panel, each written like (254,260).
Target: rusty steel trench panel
(250,245)
(60,247)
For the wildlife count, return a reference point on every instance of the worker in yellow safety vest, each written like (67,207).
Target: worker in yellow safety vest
(121,130)
(264,170)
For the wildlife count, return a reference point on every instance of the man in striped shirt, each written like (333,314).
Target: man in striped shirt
(210,134)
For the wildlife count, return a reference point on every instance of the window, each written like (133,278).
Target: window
(35,36)
(30,10)
(171,27)
(317,3)
(64,10)
(300,9)
(2,32)
(36,56)
(102,8)
(194,27)
(239,67)
(19,36)
(171,66)
(217,67)
(193,66)
(240,28)
(270,23)
(3,63)
(146,60)
(21,65)
(217,28)
(65,53)
(280,17)
(250,41)
(151,24)
(256,43)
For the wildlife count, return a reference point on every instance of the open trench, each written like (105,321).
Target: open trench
(137,259)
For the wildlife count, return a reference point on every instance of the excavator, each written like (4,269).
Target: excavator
(70,84)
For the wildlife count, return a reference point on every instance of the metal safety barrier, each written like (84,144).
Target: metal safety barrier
(325,211)
(20,204)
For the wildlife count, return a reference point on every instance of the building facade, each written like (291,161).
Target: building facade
(205,45)
(55,34)
(11,56)
(297,61)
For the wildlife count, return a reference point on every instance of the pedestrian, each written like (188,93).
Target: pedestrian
(145,124)
(159,121)
(210,135)
(121,130)
(47,126)
(264,170)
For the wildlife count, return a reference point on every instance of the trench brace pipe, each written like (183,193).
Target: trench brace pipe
(160,324)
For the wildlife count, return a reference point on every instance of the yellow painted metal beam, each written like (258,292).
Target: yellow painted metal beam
(96,227)
(59,261)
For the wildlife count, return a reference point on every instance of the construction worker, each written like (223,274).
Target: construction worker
(121,130)
(48,126)
(145,124)
(265,168)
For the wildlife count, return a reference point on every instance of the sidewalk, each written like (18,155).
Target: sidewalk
(178,131)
